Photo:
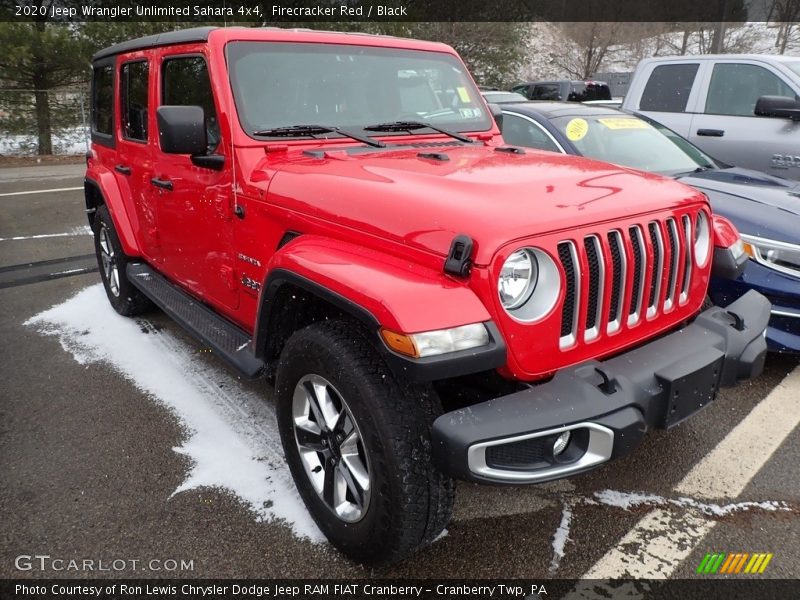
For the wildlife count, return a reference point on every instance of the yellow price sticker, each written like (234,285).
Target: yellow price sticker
(624,123)
(577,129)
(463,94)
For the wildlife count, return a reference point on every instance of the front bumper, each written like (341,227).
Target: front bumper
(606,406)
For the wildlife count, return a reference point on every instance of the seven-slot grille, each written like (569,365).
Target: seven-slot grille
(651,255)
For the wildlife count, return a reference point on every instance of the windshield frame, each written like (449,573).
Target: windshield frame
(484,125)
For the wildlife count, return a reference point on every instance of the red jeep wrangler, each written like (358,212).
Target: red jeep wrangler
(339,212)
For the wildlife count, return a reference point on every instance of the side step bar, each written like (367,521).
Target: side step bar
(225,339)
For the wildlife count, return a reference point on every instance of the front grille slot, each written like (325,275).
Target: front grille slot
(569,311)
(639,270)
(687,259)
(672,234)
(619,267)
(594,256)
(657,268)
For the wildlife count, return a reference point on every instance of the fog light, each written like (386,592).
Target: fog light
(561,443)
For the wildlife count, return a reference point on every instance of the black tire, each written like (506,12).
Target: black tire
(126,299)
(411,501)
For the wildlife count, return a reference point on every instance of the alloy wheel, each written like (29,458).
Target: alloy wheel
(331,448)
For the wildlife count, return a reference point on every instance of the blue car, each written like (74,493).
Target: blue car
(765,209)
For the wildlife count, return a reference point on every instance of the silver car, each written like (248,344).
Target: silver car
(742,109)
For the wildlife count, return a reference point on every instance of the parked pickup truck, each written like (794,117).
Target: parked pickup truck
(338,214)
(741,109)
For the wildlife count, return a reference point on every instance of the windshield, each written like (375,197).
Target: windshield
(631,142)
(286,84)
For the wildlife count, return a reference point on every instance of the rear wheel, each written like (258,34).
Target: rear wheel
(112,261)
(358,445)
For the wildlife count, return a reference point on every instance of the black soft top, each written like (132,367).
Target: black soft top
(168,38)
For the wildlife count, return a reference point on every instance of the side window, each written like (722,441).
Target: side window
(668,88)
(735,87)
(133,92)
(546,92)
(521,132)
(577,92)
(103,100)
(524,89)
(185,82)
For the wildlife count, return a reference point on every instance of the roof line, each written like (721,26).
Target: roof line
(168,38)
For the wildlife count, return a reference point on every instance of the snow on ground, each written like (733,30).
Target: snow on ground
(561,537)
(628,500)
(66,141)
(231,438)
(75,231)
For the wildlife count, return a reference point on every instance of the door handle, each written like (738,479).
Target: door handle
(162,183)
(123,169)
(711,132)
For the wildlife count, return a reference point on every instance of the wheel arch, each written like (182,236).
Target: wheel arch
(312,279)
(100,189)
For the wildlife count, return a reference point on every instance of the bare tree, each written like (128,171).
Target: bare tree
(786,13)
(591,44)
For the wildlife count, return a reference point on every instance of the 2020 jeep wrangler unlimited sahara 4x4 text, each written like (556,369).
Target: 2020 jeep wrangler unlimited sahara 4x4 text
(339,212)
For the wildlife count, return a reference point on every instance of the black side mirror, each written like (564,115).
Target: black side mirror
(182,129)
(778,106)
(497,113)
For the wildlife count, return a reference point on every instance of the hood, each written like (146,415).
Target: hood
(757,203)
(495,197)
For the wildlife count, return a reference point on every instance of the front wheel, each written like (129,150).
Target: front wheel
(358,445)
(112,261)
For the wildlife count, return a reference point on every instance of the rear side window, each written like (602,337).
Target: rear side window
(103,100)
(668,88)
(133,92)
(185,82)
(521,132)
(521,89)
(581,92)
(735,88)
(546,92)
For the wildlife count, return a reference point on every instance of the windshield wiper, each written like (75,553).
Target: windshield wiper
(312,130)
(410,126)
(693,172)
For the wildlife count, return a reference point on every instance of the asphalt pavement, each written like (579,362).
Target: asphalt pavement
(89,468)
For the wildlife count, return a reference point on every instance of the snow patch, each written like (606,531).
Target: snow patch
(232,436)
(628,500)
(75,231)
(561,537)
(441,536)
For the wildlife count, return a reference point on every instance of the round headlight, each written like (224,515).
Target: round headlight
(702,238)
(517,279)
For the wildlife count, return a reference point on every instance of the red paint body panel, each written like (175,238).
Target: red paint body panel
(376,226)
(491,196)
(118,199)
(392,289)
(725,232)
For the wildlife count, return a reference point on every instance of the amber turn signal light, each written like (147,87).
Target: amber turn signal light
(400,343)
